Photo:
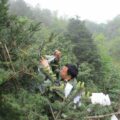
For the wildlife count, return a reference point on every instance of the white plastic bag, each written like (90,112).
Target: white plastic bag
(100,98)
(50,58)
(114,117)
(68,89)
(77,99)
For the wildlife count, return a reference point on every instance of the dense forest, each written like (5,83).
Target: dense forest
(26,32)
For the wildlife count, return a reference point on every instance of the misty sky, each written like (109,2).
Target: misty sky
(94,10)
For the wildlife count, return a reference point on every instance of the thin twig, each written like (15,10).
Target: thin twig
(52,111)
(36,114)
(9,57)
(60,111)
(4,54)
(102,116)
(58,114)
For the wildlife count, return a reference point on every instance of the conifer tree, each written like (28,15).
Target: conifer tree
(84,49)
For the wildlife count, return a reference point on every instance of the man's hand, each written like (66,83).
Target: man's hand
(57,54)
(44,63)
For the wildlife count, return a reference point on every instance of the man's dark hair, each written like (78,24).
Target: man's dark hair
(72,70)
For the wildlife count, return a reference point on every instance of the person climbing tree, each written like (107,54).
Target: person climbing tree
(68,75)
(65,90)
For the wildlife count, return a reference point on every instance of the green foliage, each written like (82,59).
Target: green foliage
(3,12)
(85,49)
(115,49)
(111,34)
(4,75)
(23,106)
(20,38)
(110,70)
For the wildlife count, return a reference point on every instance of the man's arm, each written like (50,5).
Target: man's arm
(45,67)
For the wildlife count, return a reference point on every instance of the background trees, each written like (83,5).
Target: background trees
(84,47)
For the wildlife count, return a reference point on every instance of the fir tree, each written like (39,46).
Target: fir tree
(85,49)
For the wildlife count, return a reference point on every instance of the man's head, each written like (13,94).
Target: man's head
(68,72)
(57,54)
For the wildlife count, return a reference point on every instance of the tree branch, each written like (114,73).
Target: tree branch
(102,116)
(9,57)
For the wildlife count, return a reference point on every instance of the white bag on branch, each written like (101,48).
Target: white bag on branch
(114,117)
(100,98)
(50,58)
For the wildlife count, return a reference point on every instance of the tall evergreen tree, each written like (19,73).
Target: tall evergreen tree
(84,47)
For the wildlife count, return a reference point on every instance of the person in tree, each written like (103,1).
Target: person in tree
(65,90)
(68,75)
